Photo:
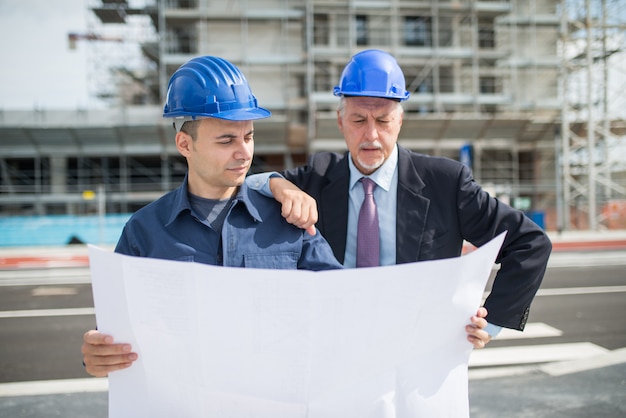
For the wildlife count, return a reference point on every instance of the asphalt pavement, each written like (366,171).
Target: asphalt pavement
(595,388)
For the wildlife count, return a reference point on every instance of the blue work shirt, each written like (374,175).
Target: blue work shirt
(254,235)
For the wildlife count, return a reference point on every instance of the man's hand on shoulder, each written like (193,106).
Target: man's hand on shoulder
(298,208)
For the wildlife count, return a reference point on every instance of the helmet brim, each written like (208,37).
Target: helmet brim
(243,114)
(233,114)
(397,98)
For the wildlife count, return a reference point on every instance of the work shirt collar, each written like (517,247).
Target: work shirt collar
(181,202)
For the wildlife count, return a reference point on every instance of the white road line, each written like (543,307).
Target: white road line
(532,330)
(53,387)
(54,291)
(495,372)
(61,276)
(45,281)
(587,259)
(558,368)
(566,367)
(33,313)
(533,354)
(580,290)
(568,291)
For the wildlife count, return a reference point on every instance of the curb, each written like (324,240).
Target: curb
(35,262)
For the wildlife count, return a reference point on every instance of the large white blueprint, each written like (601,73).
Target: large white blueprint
(384,342)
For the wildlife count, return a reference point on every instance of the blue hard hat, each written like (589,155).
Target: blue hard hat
(372,73)
(211,87)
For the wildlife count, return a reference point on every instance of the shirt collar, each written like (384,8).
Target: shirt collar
(181,201)
(382,176)
(243,196)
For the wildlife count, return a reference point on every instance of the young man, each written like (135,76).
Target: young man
(427,206)
(213,217)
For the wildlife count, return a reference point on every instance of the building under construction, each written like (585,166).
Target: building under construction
(510,87)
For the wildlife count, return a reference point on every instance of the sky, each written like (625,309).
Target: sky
(38,69)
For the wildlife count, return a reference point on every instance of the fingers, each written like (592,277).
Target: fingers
(477,336)
(101,356)
(96,338)
(475,331)
(102,366)
(300,209)
(479,321)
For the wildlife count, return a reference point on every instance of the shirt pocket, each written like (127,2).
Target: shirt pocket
(277,261)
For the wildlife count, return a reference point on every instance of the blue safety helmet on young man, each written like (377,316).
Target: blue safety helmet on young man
(211,87)
(372,73)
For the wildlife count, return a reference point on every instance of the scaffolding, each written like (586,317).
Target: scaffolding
(118,72)
(511,81)
(592,151)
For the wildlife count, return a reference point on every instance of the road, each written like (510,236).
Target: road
(577,315)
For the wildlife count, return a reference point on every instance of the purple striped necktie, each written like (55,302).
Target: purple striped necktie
(368,242)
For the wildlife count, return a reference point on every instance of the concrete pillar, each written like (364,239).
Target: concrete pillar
(58,178)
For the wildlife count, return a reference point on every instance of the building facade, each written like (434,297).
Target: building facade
(483,75)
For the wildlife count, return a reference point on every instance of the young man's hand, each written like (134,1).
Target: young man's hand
(102,356)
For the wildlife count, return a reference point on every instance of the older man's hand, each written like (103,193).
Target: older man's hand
(298,208)
(476,333)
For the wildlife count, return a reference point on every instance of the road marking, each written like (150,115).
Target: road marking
(495,372)
(586,259)
(568,291)
(53,387)
(34,313)
(564,291)
(532,330)
(54,291)
(533,354)
(566,367)
(558,368)
(61,276)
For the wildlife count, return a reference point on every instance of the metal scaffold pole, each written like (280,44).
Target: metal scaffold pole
(591,134)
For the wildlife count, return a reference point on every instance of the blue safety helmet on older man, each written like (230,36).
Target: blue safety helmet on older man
(372,73)
(211,87)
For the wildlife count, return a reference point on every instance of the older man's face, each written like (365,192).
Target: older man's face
(370,126)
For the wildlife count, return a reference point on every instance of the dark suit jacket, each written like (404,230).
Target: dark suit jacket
(439,206)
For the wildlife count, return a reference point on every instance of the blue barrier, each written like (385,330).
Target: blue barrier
(54,230)
(537,217)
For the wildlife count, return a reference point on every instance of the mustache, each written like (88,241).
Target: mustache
(370,145)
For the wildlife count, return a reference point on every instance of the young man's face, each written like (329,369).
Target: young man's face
(219,158)
(370,126)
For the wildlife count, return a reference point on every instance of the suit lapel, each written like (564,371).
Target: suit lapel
(334,208)
(411,211)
